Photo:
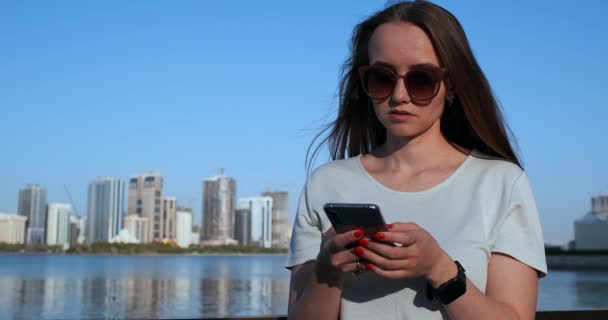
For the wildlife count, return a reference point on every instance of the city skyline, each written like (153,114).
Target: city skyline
(109,219)
(177,204)
(96,88)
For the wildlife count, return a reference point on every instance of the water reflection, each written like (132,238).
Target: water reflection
(220,288)
(592,290)
(573,290)
(142,287)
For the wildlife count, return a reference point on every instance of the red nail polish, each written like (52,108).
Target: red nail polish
(358,233)
(359,251)
(370,267)
(389,226)
(362,242)
(379,236)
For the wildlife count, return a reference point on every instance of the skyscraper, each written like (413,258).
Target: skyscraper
(260,223)
(58,224)
(105,209)
(280,214)
(218,210)
(183,228)
(242,224)
(169,217)
(32,204)
(77,227)
(146,200)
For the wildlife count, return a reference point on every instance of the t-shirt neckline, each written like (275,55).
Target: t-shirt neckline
(447,181)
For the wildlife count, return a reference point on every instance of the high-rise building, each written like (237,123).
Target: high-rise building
(196,234)
(218,210)
(260,209)
(58,224)
(242,225)
(82,230)
(280,214)
(146,200)
(139,227)
(76,233)
(169,217)
(32,204)
(183,227)
(104,209)
(12,228)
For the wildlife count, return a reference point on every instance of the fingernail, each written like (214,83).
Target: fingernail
(359,251)
(370,267)
(378,236)
(362,242)
(358,233)
(389,226)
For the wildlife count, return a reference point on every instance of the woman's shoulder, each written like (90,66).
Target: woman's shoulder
(495,167)
(335,170)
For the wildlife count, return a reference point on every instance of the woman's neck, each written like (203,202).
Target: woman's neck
(428,149)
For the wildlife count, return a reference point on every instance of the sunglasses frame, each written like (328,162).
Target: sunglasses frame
(439,73)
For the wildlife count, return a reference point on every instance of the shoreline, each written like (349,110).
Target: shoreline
(141,254)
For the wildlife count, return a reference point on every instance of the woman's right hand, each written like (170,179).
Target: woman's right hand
(335,258)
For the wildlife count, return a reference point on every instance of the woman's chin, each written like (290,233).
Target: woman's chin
(402,132)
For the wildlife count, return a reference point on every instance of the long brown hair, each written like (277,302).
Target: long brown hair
(473,121)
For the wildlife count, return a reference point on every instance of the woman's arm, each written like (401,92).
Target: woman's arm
(310,298)
(316,287)
(510,292)
(511,287)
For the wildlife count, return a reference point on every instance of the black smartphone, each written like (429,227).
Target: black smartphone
(355,216)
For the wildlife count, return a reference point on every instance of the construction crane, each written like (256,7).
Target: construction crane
(67,191)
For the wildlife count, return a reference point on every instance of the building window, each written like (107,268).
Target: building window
(156,235)
(157,210)
(156,219)
(157,201)
(139,202)
(138,210)
(158,193)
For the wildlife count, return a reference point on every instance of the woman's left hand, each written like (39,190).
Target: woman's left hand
(419,256)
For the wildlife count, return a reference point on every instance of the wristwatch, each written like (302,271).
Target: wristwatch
(450,290)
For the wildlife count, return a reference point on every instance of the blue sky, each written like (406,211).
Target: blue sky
(116,88)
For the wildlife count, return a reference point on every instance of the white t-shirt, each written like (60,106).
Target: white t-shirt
(485,206)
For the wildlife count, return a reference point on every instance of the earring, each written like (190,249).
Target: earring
(450,100)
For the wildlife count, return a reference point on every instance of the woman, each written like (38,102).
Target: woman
(420,134)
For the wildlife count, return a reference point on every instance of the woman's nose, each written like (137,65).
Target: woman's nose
(400,94)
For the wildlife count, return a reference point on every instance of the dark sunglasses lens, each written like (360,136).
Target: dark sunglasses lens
(422,84)
(379,83)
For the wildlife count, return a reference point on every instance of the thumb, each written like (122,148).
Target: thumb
(330,232)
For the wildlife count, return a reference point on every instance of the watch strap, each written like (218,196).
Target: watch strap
(451,289)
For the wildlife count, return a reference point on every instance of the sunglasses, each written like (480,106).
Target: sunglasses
(422,82)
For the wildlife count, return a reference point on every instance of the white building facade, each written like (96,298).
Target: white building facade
(260,222)
(183,228)
(12,228)
(58,224)
(139,227)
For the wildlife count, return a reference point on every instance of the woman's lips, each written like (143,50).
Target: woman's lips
(400,116)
